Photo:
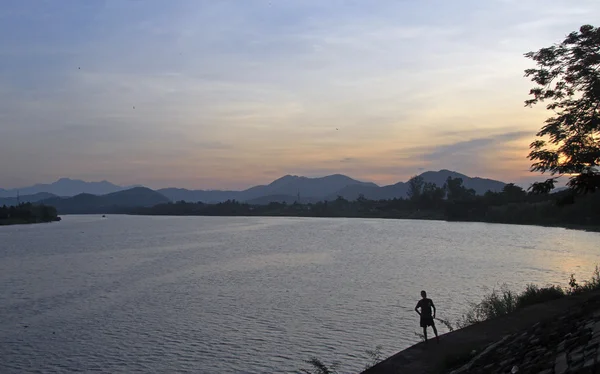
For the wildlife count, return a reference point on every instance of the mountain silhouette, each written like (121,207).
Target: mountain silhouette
(285,189)
(480,185)
(66,187)
(8,201)
(289,185)
(400,189)
(115,202)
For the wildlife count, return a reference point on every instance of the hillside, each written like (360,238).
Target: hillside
(289,185)
(66,187)
(480,185)
(286,188)
(399,190)
(10,201)
(115,202)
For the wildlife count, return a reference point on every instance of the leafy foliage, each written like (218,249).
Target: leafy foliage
(568,78)
(504,301)
(374,355)
(589,285)
(534,295)
(451,202)
(27,213)
(496,304)
(415,187)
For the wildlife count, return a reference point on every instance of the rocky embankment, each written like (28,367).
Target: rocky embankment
(557,337)
(567,344)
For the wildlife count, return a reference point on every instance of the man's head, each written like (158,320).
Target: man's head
(423,294)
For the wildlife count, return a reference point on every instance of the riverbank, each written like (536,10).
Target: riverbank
(559,336)
(10,222)
(27,213)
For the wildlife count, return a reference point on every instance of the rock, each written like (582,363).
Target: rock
(560,365)
(576,358)
(589,363)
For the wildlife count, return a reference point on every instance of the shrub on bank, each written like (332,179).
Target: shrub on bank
(535,295)
(504,301)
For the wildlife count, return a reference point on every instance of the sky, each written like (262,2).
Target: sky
(230,94)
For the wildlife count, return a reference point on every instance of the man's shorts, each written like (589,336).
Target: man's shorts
(426,321)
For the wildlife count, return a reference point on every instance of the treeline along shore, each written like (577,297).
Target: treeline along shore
(451,202)
(26,213)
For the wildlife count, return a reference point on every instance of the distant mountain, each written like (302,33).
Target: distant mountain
(66,187)
(289,185)
(480,185)
(116,202)
(98,196)
(559,189)
(372,193)
(312,187)
(8,201)
(400,189)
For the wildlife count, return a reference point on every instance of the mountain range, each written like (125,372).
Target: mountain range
(66,187)
(327,188)
(75,196)
(116,202)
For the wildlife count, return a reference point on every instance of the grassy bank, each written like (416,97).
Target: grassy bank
(494,308)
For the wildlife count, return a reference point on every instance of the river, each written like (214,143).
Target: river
(251,295)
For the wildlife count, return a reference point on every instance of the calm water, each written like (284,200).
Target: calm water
(215,295)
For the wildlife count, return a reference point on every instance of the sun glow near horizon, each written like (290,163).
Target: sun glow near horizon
(229,95)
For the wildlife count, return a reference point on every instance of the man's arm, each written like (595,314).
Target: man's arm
(433,306)
(417,308)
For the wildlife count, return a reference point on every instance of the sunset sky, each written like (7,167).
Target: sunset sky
(229,94)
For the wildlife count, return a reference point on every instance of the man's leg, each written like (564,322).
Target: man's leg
(425,333)
(435,332)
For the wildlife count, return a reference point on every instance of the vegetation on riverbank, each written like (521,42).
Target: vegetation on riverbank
(497,303)
(452,202)
(27,213)
(504,301)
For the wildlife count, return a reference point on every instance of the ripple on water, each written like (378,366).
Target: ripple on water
(255,295)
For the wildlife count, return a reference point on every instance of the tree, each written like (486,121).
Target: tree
(415,187)
(456,191)
(568,78)
(513,193)
(432,196)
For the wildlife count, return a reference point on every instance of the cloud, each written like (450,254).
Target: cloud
(227,90)
(474,147)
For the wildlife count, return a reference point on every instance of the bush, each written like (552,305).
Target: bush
(590,285)
(375,356)
(535,295)
(496,304)
(504,301)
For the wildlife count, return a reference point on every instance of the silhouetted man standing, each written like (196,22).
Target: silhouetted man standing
(426,306)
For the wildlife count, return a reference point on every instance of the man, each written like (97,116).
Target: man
(426,306)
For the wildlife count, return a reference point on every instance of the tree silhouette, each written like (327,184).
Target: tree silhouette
(568,77)
(415,187)
(456,191)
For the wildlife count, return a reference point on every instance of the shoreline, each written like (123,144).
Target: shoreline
(568,226)
(531,336)
(25,222)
